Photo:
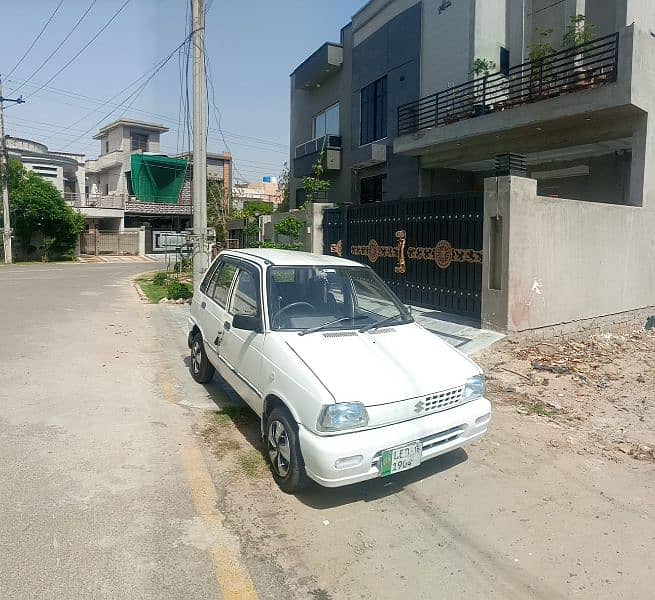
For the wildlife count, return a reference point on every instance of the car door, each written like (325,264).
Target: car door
(241,350)
(214,310)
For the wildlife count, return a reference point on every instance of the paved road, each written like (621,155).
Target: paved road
(104,490)
(107,489)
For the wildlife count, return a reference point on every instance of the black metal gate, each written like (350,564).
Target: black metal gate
(429,250)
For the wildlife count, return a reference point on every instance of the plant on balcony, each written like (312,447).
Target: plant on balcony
(578,35)
(539,53)
(316,185)
(482,67)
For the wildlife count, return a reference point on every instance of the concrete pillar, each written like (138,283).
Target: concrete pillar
(495,254)
(142,241)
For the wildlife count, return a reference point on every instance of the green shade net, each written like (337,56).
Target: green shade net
(157,179)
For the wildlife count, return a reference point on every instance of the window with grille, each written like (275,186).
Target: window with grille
(139,141)
(371,189)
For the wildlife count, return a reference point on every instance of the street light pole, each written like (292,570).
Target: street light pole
(4,175)
(200,256)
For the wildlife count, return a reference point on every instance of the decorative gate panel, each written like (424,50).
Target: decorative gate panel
(428,250)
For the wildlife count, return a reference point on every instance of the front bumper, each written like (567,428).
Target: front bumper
(439,432)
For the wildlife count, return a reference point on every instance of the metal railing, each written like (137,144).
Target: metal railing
(332,142)
(115,201)
(588,65)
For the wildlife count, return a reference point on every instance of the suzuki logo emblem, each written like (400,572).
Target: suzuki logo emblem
(418,407)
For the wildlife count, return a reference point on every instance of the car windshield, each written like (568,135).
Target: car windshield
(309,299)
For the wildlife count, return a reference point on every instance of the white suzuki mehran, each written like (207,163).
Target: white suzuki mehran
(347,385)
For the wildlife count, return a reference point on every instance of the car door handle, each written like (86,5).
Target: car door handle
(226,326)
(203,304)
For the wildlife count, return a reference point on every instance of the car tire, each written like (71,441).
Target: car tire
(201,369)
(283,450)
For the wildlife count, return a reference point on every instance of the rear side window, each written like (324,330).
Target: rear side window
(204,286)
(221,282)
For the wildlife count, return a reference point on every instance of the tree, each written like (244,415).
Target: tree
(289,228)
(283,186)
(218,208)
(37,206)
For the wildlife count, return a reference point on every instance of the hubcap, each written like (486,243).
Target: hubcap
(196,357)
(278,448)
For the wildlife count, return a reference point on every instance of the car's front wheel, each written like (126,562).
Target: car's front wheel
(283,448)
(201,369)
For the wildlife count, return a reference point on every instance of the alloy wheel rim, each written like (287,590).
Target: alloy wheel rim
(196,357)
(279,449)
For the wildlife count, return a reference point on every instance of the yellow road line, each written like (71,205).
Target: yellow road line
(231,575)
(233,578)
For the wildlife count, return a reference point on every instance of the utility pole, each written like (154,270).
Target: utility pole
(201,255)
(4,175)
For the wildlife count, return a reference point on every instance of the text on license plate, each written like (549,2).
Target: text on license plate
(401,458)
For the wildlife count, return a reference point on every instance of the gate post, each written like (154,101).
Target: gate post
(344,227)
(95,241)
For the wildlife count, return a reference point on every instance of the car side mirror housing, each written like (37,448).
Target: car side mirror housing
(247,322)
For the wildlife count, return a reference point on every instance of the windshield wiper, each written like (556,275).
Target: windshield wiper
(379,324)
(329,323)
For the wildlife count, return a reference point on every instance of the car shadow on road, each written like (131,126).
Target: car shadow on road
(316,496)
(375,489)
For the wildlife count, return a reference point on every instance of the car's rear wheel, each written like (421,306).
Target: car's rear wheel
(201,369)
(283,447)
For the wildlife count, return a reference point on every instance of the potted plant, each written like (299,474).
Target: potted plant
(481,69)
(578,35)
(540,50)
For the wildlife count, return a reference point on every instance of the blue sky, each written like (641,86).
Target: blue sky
(253,45)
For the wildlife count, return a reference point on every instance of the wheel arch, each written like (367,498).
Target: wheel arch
(272,401)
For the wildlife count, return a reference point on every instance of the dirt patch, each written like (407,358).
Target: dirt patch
(601,389)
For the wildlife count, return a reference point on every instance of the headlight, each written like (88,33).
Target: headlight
(474,388)
(344,415)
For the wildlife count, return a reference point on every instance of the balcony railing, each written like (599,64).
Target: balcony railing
(116,201)
(588,65)
(331,142)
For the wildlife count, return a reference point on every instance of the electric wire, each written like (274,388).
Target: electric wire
(93,39)
(36,39)
(49,57)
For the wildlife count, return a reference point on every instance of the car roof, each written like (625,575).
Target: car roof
(271,256)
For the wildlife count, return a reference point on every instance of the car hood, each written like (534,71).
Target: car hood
(382,366)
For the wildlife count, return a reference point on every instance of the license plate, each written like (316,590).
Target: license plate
(401,458)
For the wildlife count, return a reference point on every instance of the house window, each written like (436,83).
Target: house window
(139,141)
(106,146)
(326,122)
(371,189)
(106,189)
(374,111)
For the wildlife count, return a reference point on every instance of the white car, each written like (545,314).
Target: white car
(347,385)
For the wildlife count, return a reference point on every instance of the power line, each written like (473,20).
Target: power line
(134,95)
(165,118)
(93,39)
(36,39)
(45,62)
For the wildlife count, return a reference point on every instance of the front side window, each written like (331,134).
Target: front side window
(220,285)
(374,111)
(330,298)
(139,141)
(246,294)
(326,122)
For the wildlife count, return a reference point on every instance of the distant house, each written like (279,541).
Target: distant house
(146,187)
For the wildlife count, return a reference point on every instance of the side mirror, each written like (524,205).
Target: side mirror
(409,309)
(247,322)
